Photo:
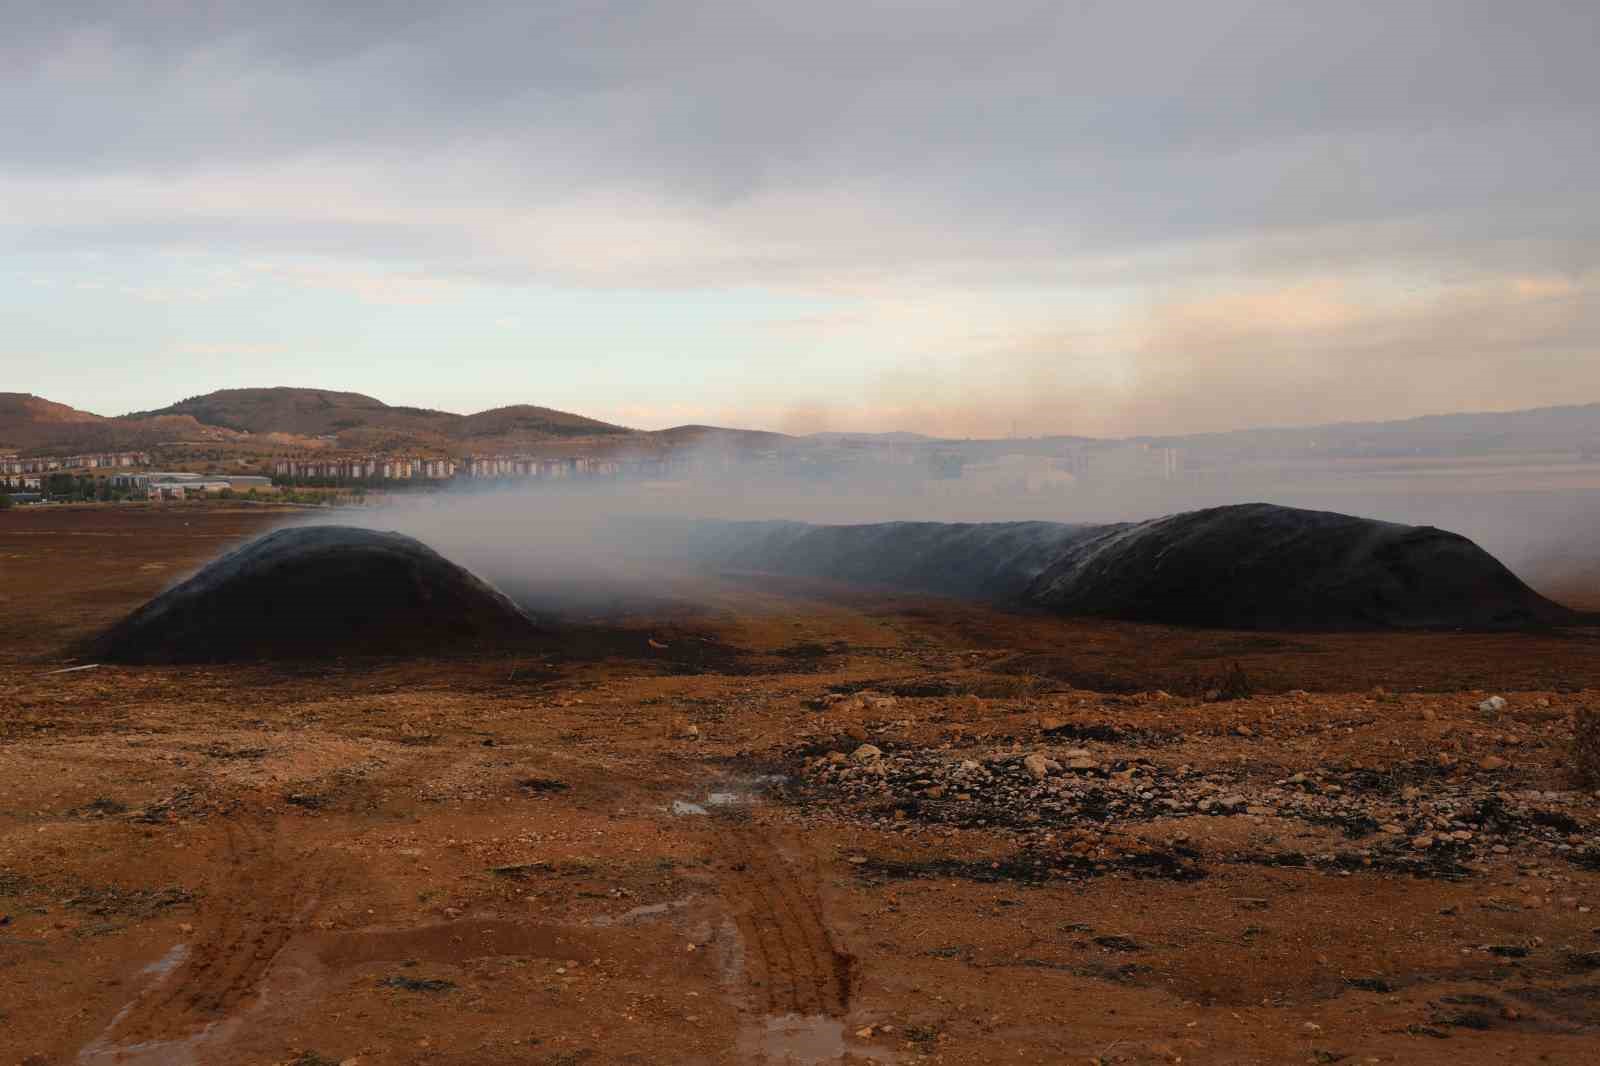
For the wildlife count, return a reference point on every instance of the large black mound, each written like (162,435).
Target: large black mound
(979,560)
(313,592)
(1248,566)
(1259,566)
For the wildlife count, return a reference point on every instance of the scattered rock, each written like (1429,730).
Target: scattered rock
(414,984)
(1416,816)
(1493,705)
(1039,766)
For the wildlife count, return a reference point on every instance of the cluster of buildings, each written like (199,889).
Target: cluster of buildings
(1030,467)
(477,467)
(181,486)
(496,467)
(11,466)
(984,466)
(370,468)
(1134,461)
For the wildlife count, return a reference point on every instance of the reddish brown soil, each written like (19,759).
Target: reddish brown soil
(477,861)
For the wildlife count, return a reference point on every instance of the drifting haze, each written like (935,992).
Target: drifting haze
(955,218)
(613,546)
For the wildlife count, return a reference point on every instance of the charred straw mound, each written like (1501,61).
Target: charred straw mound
(1259,566)
(317,591)
(1249,566)
(984,560)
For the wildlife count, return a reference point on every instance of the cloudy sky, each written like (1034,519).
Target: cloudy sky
(956,217)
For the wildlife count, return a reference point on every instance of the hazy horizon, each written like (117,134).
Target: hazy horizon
(888,430)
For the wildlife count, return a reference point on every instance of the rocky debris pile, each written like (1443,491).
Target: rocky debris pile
(1429,816)
(863,700)
(317,591)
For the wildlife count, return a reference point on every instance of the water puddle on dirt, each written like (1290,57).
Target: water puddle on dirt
(184,1052)
(168,962)
(804,1040)
(156,1052)
(739,792)
(644,913)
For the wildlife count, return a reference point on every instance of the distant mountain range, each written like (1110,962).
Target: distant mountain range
(285,417)
(895,437)
(319,412)
(1539,429)
(279,419)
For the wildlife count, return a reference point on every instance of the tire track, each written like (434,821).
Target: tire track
(245,920)
(791,960)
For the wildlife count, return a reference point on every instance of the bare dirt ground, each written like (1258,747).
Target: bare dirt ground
(771,821)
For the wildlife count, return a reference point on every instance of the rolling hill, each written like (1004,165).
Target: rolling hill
(289,416)
(27,421)
(30,423)
(276,419)
(322,412)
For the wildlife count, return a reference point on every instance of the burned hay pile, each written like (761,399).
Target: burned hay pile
(1259,566)
(1249,566)
(317,591)
(982,560)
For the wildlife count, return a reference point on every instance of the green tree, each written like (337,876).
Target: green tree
(5,501)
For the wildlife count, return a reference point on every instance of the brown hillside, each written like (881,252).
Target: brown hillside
(274,416)
(527,419)
(26,420)
(718,437)
(364,423)
(303,412)
(34,425)
(26,407)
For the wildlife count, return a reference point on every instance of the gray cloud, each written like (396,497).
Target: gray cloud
(1107,124)
(920,147)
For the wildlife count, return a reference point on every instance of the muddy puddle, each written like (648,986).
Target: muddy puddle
(647,912)
(806,1040)
(726,794)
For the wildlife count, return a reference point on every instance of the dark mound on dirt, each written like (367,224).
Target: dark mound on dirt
(1258,566)
(1249,566)
(317,591)
(986,560)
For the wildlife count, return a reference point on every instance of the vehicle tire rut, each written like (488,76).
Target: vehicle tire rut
(790,956)
(242,926)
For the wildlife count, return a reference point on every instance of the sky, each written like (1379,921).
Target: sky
(948,217)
